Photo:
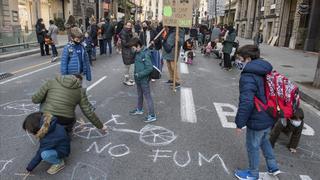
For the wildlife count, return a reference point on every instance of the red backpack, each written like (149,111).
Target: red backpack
(283,97)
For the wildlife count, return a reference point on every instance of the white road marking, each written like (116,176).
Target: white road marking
(184,68)
(96,83)
(29,73)
(188,111)
(305,177)
(224,114)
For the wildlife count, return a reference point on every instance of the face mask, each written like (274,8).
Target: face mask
(86,35)
(240,65)
(77,43)
(129,29)
(295,123)
(145,28)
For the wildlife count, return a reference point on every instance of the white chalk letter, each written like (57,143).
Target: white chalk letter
(96,147)
(122,147)
(156,156)
(201,157)
(181,165)
(224,114)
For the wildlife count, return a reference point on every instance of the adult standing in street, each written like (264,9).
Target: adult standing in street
(228,44)
(71,22)
(215,35)
(127,55)
(107,36)
(168,53)
(258,38)
(41,33)
(100,34)
(93,33)
(259,124)
(53,33)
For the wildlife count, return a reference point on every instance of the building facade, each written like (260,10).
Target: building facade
(152,10)
(288,23)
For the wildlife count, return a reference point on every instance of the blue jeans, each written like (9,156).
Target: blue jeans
(102,46)
(50,156)
(255,141)
(54,50)
(94,53)
(144,89)
(107,43)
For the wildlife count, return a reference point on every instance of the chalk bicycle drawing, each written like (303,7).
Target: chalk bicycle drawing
(150,134)
(18,108)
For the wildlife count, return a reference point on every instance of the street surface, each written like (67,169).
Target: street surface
(193,139)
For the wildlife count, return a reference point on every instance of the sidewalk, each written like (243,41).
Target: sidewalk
(297,65)
(62,39)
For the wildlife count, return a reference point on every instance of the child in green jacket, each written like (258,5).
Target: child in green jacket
(142,69)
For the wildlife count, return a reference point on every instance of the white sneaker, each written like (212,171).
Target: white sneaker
(128,83)
(275,173)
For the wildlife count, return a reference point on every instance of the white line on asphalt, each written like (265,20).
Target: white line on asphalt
(188,112)
(96,83)
(184,68)
(27,74)
(311,108)
(305,177)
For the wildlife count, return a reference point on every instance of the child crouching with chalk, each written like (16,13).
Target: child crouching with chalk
(53,138)
(293,125)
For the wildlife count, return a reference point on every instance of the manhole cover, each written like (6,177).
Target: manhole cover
(287,66)
(5,75)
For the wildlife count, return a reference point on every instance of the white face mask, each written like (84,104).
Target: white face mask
(295,123)
(240,65)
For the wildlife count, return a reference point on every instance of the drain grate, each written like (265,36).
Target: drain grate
(5,75)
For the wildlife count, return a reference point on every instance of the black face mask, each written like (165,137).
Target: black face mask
(129,29)
(145,28)
(77,43)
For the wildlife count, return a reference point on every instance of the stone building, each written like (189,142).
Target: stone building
(288,23)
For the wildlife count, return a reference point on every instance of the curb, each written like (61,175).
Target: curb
(309,97)
(22,54)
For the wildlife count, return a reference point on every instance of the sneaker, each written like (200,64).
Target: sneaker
(169,82)
(128,83)
(150,118)
(244,175)
(274,173)
(136,112)
(177,85)
(56,167)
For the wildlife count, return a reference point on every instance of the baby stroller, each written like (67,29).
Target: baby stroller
(188,51)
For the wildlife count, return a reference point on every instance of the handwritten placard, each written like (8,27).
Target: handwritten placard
(177,13)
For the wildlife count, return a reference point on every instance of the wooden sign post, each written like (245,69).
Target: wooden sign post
(177,13)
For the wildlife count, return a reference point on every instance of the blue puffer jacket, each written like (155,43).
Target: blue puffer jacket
(56,138)
(70,62)
(252,84)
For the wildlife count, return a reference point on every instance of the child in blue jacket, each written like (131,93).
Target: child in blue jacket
(54,141)
(75,59)
(142,70)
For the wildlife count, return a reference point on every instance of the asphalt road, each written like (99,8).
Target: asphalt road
(193,139)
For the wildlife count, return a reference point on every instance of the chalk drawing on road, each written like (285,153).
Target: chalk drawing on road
(18,108)
(304,153)
(223,115)
(114,151)
(305,177)
(87,171)
(166,154)
(156,135)
(4,164)
(88,131)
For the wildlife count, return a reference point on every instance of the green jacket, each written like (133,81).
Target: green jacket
(228,43)
(142,66)
(61,96)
